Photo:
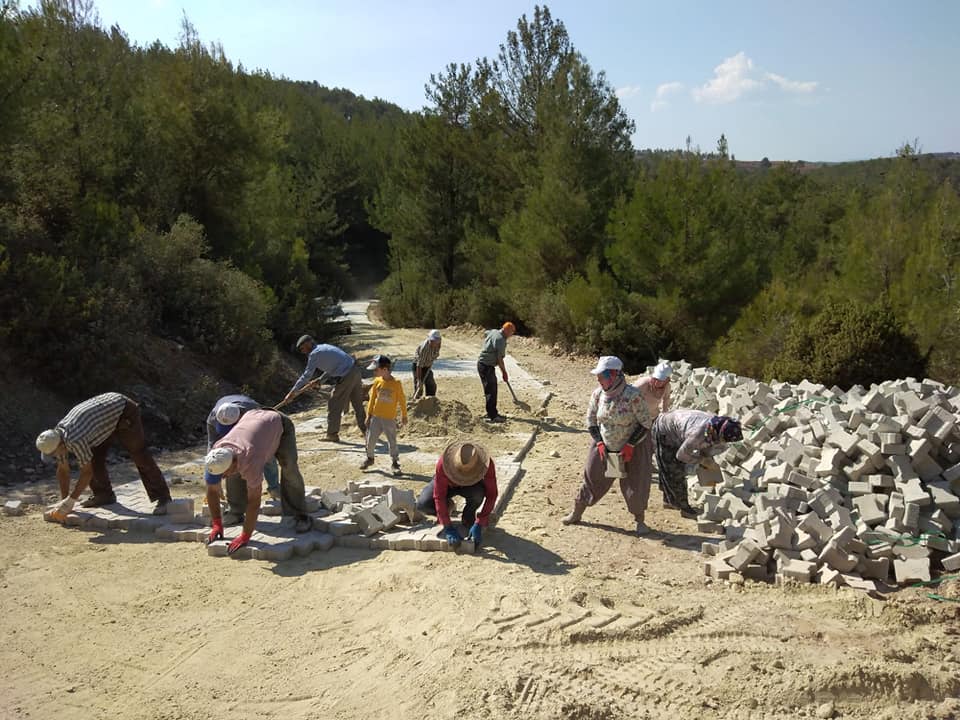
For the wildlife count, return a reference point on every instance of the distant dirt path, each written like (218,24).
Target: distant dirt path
(580,622)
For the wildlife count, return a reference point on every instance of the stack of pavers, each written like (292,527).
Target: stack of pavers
(845,488)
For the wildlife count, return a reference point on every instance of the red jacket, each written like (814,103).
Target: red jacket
(441,483)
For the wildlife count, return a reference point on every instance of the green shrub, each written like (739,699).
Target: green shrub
(846,344)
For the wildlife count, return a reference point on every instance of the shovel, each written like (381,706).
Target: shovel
(519,403)
(299,392)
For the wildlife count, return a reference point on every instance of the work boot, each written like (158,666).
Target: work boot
(303,523)
(231,518)
(642,528)
(332,437)
(274,493)
(94,502)
(366,463)
(688,512)
(395,468)
(161,508)
(575,516)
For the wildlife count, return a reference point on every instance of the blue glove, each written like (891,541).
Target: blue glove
(475,534)
(452,535)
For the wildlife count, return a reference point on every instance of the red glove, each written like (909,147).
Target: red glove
(626,452)
(602,450)
(238,543)
(216,531)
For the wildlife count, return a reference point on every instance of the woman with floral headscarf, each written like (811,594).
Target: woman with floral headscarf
(618,421)
(686,437)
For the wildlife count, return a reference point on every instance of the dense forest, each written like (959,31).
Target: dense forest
(168,192)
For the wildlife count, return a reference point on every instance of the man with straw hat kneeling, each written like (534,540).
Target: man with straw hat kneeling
(240,456)
(465,469)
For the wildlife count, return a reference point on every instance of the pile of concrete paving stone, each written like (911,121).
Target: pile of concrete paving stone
(855,488)
(380,516)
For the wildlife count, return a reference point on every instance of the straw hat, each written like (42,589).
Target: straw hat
(465,463)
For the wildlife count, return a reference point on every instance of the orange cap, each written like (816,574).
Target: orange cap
(509,326)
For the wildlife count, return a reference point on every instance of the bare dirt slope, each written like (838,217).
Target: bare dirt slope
(550,622)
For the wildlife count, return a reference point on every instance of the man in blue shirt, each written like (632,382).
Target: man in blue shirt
(343,371)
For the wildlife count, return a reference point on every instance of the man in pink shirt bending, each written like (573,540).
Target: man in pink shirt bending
(240,456)
(464,469)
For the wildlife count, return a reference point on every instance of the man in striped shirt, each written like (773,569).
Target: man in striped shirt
(87,431)
(424,357)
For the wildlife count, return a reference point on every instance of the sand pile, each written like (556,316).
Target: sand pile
(433,417)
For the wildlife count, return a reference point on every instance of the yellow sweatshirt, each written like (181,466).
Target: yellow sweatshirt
(385,396)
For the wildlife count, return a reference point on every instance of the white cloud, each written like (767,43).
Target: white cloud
(663,92)
(628,91)
(731,79)
(794,86)
(737,76)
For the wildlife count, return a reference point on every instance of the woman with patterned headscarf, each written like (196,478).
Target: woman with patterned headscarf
(685,437)
(618,421)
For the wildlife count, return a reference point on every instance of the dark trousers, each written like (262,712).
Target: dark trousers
(488,377)
(129,433)
(349,389)
(293,499)
(473,494)
(429,384)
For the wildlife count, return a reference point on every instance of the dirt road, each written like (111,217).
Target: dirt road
(550,622)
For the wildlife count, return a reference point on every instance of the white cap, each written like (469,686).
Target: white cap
(218,460)
(228,414)
(48,441)
(607,362)
(663,371)
(433,335)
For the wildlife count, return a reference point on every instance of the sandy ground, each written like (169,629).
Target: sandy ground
(550,621)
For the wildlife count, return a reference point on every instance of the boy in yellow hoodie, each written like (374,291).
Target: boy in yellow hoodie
(386,397)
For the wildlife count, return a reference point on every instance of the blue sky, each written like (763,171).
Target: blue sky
(813,80)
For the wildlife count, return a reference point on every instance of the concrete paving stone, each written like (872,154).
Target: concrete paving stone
(403,540)
(910,404)
(218,548)
(902,468)
(858,583)
(709,527)
(382,512)
(934,542)
(334,500)
(798,570)
(880,550)
(811,523)
(367,522)
(952,563)
(717,569)
(871,509)
(913,570)
(180,507)
(355,542)
(856,547)
(952,473)
(881,482)
(746,552)
(859,488)
(911,551)
(834,557)
(927,468)
(944,499)
(276,553)
(13,507)
(911,515)
(844,441)
(829,576)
